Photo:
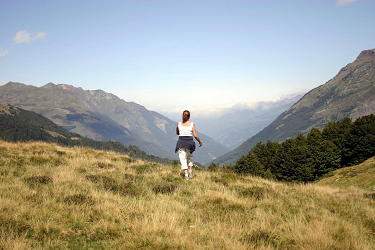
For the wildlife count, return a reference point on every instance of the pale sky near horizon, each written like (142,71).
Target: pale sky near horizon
(175,55)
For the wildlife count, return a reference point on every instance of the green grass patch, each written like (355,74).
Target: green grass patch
(172,178)
(103,165)
(10,226)
(164,188)
(38,180)
(110,184)
(219,206)
(78,199)
(219,180)
(257,193)
(260,238)
(142,169)
(370,196)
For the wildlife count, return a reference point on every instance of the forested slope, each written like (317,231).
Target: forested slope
(308,158)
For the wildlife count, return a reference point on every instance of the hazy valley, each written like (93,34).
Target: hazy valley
(236,124)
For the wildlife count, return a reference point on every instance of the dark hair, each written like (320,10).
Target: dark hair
(185,116)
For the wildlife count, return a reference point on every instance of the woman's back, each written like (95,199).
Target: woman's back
(186,129)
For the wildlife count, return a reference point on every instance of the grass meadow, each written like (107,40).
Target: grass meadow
(53,197)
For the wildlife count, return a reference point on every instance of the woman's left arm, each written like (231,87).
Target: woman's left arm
(196,136)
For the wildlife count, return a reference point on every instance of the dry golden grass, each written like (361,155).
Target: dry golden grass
(78,198)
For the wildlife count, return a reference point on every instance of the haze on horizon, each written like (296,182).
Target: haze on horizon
(174,55)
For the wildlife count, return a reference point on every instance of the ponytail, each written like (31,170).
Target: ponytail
(185,116)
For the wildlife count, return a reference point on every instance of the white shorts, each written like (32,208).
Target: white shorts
(186,158)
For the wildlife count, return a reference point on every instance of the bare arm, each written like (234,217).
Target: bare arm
(177,130)
(196,136)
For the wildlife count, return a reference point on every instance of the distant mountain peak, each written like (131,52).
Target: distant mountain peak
(70,88)
(67,87)
(49,85)
(366,55)
(15,84)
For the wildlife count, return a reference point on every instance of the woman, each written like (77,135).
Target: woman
(185,144)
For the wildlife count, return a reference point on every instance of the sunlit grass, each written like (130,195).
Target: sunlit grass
(78,198)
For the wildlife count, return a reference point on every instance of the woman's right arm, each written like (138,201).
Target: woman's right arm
(177,130)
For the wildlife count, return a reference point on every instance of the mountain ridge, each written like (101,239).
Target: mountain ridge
(90,112)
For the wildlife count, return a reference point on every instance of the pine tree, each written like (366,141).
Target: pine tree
(336,132)
(325,154)
(294,161)
(267,154)
(359,143)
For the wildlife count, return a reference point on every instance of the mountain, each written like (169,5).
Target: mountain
(21,125)
(351,93)
(243,120)
(103,116)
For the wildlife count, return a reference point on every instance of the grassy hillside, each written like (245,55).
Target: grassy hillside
(54,197)
(361,176)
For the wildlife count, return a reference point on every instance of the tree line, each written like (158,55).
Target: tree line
(308,158)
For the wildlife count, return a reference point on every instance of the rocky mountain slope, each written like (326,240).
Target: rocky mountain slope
(104,116)
(351,93)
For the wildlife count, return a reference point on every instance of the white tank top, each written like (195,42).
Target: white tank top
(185,130)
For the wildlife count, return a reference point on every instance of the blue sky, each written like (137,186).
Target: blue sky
(173,55)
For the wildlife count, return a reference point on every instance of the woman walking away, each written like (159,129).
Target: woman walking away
(185,144)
